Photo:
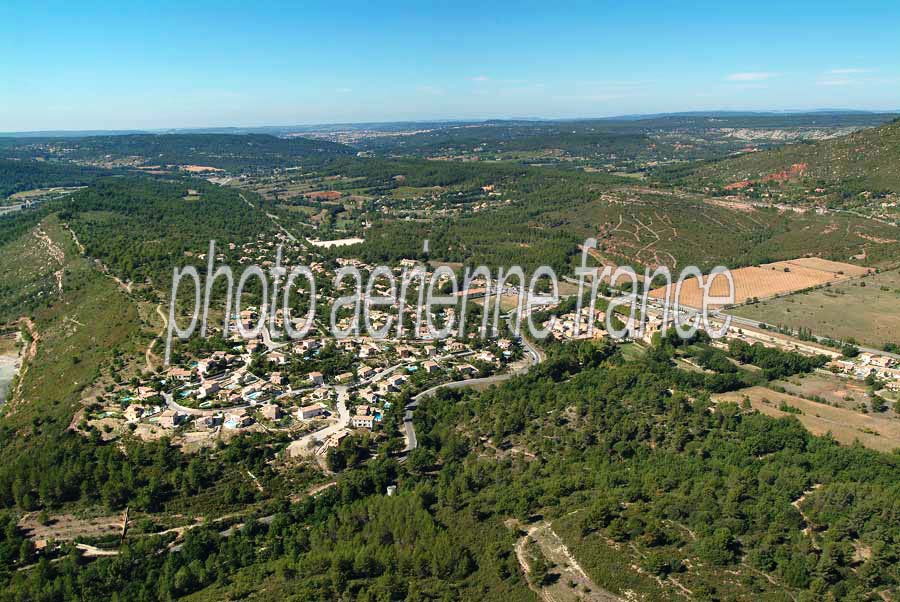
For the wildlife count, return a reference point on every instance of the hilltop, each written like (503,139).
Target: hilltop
(217,151)
(870,157)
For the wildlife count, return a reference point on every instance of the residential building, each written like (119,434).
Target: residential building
(271,411)
(170,419)
(364,422)
(310,411)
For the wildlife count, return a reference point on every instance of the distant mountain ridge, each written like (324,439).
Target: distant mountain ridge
(221,151)
(870,156)
(424,123)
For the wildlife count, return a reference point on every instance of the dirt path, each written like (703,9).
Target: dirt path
(55,253)
(125,286)
(95,552)
(149,355)
(796,504)
(28,353)
(75,240)
(312,491)
(571,582)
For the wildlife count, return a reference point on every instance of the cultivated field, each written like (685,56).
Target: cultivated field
(876,431)
(767,280)
(866,313)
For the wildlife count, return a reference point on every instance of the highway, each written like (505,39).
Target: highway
(755,324)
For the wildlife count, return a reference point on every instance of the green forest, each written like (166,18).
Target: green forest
(620,452)
(660,491)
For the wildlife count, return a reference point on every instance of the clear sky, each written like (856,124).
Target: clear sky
(86,65)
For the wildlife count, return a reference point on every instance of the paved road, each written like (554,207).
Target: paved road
(690,313)
(755,323)
(534,356)
(273,218)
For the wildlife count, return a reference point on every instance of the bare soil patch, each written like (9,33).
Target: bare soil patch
(875,431)
(766,280)
(199,168)
(568,581)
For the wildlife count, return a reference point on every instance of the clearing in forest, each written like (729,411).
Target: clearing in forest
(880,432)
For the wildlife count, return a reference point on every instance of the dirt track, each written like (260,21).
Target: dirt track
(573,583)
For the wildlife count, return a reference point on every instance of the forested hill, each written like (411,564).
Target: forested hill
(585,139)
(17,176)
(223,151)
(870,157)
(140,228)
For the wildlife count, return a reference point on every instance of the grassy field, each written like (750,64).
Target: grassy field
(880,432)
(866,310)
(413,192)
(834,390)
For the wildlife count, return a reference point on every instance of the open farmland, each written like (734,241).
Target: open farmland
(875,431)
(767,280)
(866,310)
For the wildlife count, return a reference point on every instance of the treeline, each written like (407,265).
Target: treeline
(574,139)
(527,232)
(14,224)
(775,363)
(146,477)
(385,174)
(648,461)
(231,152)
(18,176)
(495,241)
(142,228)
(606,449)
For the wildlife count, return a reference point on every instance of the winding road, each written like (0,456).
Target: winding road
(532,353)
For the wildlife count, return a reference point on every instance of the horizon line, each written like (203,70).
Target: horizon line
(624,116)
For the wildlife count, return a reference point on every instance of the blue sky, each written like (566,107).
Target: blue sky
(98,66)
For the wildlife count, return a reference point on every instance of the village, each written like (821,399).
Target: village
(315,391)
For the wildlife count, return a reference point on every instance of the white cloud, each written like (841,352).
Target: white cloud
(750,76)
(480,78)
(344,90)
(850,71)
(835,82)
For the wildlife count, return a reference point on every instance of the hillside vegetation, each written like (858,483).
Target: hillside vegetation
(142,228)
(18,176)
(870,156)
